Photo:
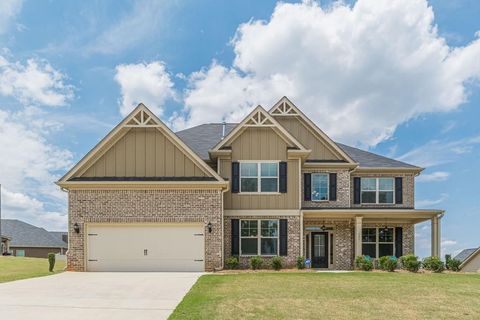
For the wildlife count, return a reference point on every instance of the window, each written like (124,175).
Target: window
(377,190)
(258,176)
(259,237)
(319,186)
(377,242)
(20,253)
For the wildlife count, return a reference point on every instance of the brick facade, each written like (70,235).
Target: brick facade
(293,240)
(343,190)
(145,206)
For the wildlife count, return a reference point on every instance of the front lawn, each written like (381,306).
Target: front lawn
(356,295)
(16,268)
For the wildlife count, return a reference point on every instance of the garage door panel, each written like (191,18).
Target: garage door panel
(145,248)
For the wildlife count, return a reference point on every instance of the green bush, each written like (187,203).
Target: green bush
(454,264)
(388,263)
(301,262)
(410,262)
(51,261)
(364,263)
(232,262)
(277,263)
(255,262)
(448,257)
(433,264)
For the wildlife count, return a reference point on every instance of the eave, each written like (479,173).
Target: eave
(123,185)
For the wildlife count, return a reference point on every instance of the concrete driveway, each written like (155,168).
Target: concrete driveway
(82,295)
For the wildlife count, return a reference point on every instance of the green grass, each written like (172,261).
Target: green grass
(16,268)
(356,295)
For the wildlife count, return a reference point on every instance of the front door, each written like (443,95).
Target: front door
(320,250)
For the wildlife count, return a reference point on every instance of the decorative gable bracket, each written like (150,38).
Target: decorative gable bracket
(284,108)
(141,119)
(259,119)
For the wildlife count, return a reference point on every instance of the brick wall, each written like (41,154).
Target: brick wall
(137,206)
(293,240)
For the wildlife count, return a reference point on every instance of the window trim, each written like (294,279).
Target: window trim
(377,191)
(259,178)
(378,242)
(259,238)
(328,186)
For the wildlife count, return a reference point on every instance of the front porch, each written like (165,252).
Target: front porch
(332,238)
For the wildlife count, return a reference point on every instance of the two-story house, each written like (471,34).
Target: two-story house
(148,199)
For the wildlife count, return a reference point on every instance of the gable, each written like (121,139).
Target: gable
(259,144)
(140,148)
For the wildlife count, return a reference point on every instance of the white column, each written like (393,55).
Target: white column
(358,236)
(436,237)
(301,235)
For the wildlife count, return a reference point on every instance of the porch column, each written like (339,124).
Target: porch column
(358,236)
(436,242)
(302,254)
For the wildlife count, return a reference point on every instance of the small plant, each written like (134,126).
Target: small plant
(300,262)
(448,257)
(454,264)
(388,263)
(277,263)
(255,262)
(364,263)
(410,262)
(232,262)
(433,264)
(51,261)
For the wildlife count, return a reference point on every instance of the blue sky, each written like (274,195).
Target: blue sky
(400,80)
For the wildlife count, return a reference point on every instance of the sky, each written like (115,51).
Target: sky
(398,78)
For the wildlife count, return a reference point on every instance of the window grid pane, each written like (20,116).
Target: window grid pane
(269,169)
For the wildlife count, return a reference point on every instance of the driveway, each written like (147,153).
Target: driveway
(82,295)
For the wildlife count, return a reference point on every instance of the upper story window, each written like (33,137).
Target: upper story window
(377,190)
(258,176)
(320,186)
(259,237)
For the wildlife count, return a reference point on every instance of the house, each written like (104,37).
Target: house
(31,241)
(470,260)
(148,199)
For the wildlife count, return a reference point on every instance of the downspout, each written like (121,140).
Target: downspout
(223,217)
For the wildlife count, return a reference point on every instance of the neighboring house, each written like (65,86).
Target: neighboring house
(145,198)
(5,245)
(470,259)
(31,241)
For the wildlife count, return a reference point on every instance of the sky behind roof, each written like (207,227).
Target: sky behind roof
(397,78)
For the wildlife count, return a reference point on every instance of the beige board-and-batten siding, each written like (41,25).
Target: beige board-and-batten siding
(145,206)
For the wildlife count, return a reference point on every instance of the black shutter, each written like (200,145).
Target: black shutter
(356,190)
(283,237)
(333,187)
(282,170)
(235,237)
(235,177)
(398,242)
(398,190)
(307,186)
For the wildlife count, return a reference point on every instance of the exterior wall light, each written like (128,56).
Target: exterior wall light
(209,226)
(76,228)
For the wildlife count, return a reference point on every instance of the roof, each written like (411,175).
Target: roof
(205,136)
(464,254)
(23,234)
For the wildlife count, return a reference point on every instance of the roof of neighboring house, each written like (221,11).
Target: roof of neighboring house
(205,136)
(59,234)
(464,254)
(23,234)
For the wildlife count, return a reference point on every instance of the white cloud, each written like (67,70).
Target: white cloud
(433,177)
(427,203)
(149,83)
(438,152)
(35,81)
(8,10)
(358,71)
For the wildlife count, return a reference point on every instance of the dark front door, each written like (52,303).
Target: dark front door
(320,250)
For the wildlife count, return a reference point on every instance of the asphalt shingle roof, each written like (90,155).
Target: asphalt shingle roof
(464,254)
(205,136)
(23,234)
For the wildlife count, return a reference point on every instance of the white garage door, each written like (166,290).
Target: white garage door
(178,247)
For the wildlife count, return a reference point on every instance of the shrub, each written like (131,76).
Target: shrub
(364,263)
(51,261)
(232,262)
(277,263)
(434,264)
(301,262)
(410,262)
(454,265)
(388,263)
(255,262)
(448,257)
